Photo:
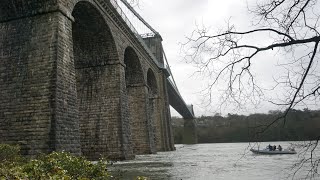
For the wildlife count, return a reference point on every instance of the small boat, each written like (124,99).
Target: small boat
(267,151)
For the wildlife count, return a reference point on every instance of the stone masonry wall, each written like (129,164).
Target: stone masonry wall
(154,44)
(137,101)
(65,118)
(63,81)
(167,119)
(153,108)
(139,126)
(158,124)
(98,90)
(28,73)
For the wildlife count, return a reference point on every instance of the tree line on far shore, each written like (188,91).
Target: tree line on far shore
(299,125)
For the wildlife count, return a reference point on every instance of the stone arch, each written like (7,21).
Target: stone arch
(97,79)
(133,73)
(152,83)
(137,99)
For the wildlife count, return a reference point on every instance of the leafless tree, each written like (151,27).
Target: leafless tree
(292,27)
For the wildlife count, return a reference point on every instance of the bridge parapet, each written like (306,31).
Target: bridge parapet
(120,5)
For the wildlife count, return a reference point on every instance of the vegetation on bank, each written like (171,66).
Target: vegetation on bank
(57,165)
(300,125)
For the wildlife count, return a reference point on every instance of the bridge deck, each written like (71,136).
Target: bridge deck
(177,102)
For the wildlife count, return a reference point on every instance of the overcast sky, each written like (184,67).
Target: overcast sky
(176,19)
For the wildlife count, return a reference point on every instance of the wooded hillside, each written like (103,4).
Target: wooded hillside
(300,125)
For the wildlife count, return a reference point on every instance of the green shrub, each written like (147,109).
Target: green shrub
(63,165)
(9,153)
(12,171)
(57,165)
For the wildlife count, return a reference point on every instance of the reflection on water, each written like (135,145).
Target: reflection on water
(210,161)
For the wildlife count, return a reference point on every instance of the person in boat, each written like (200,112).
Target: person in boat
(279,148)
(269,147)
(291,149)
(274,147)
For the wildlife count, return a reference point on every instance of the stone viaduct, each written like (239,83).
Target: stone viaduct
(74,77)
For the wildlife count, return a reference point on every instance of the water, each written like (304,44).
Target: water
(212,161)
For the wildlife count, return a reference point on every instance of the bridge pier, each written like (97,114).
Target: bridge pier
(167,130)
(164,135)
(189,135)
(170,131)
(36,98)
(140,120)
(74,77)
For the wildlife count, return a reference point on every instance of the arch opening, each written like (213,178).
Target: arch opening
(152,83)
(134,74)
(94,48)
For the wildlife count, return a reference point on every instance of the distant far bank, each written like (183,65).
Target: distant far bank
(299,126)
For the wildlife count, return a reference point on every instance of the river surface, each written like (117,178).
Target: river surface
(213,161)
